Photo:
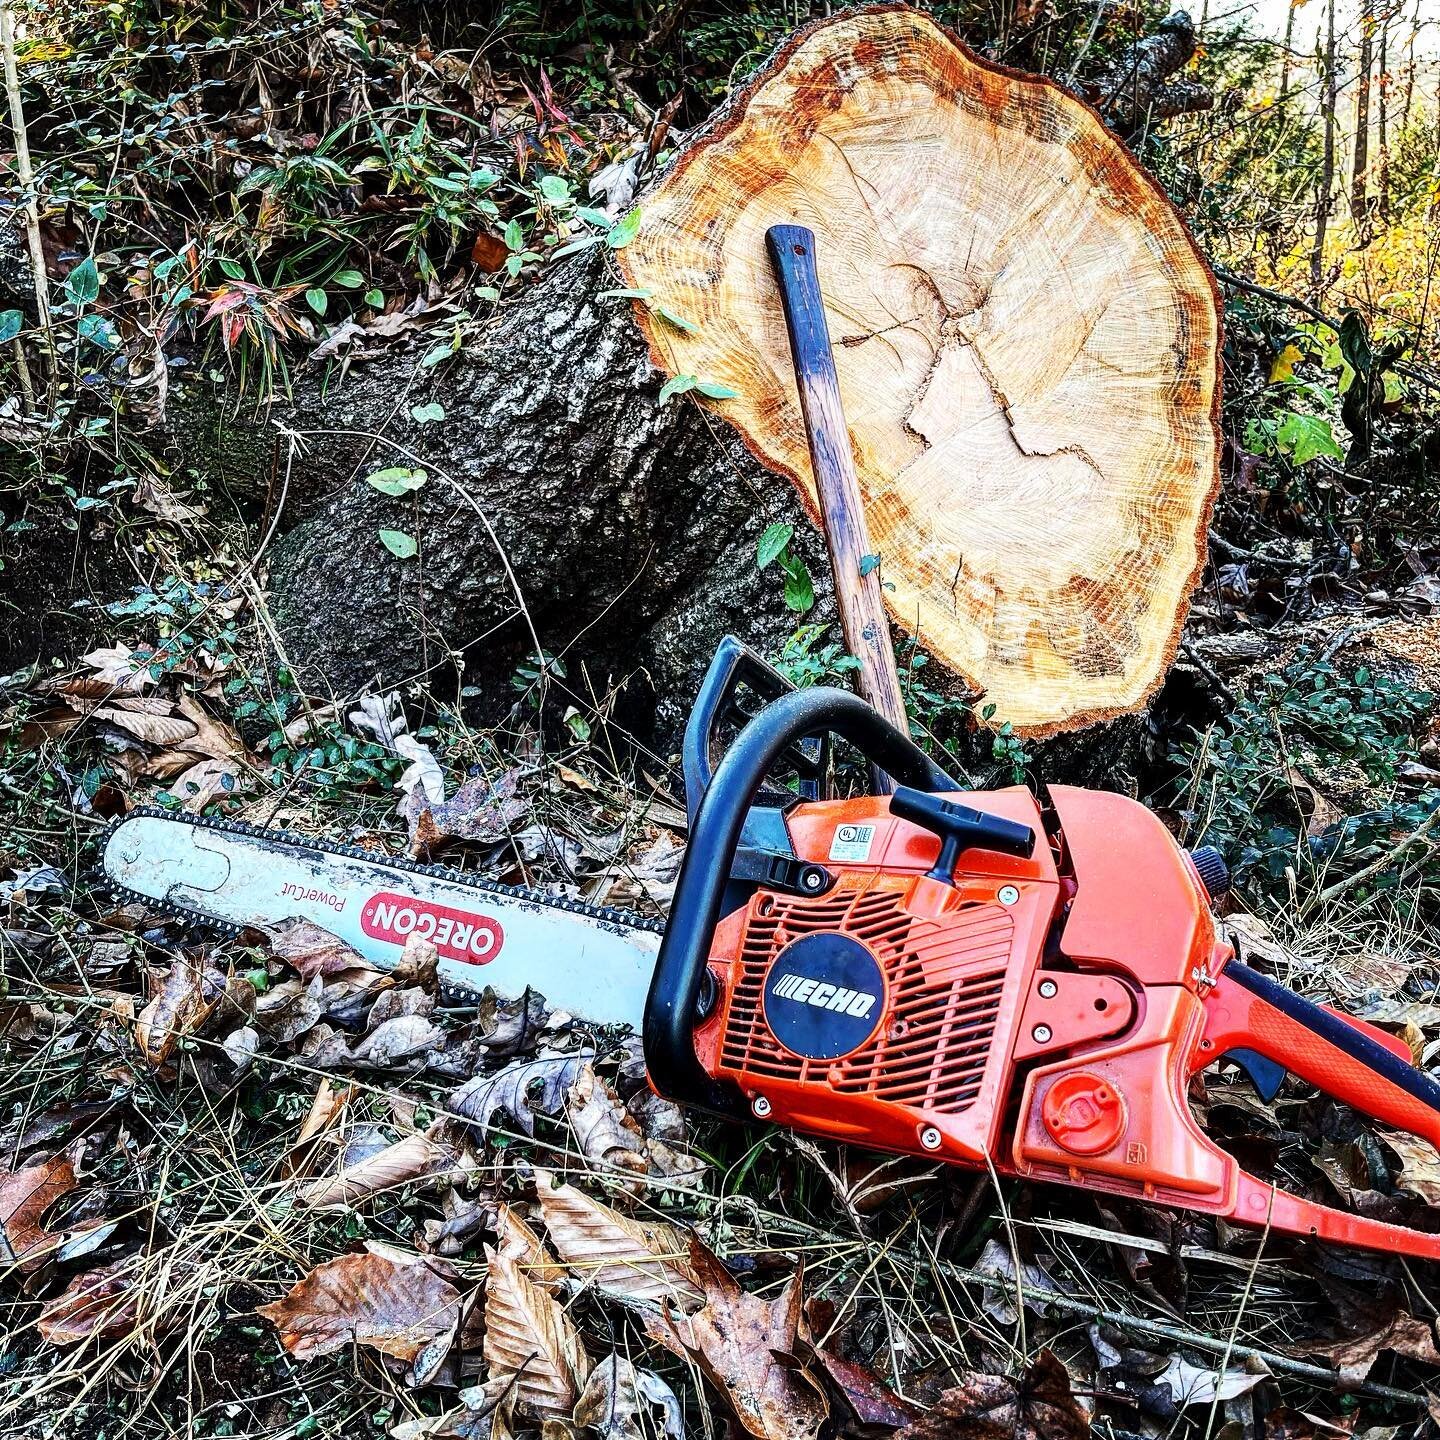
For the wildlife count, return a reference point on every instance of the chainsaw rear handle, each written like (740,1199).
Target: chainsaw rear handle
(672,1008)
(1247,1010)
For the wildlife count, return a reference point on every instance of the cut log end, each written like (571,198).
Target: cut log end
(1026,336)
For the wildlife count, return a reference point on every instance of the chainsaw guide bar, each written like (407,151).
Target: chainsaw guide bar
(593,960)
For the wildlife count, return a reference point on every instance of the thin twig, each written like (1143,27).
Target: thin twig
(1236,282)
(23,171)
(1366,872)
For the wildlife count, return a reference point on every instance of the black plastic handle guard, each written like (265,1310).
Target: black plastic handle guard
(671,1009)
(735,664)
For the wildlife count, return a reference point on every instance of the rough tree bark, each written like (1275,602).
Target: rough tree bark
(1138,88)
(564,504)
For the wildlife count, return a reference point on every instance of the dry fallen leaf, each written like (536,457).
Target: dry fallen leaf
(117,668)
(287,1010)
(623,1403)
(97,1303)
(1039,1406)
(162,730)
(188,993)
(750,1350)
(512,1025)
(529,1336)
(1196,1385)
(398,1164)
(25,1196)
(206,781)
(312,949)
(385,1298)
(516,1241)
(602,1247)
(1419,1165)
(403,1038)
(489,252)
(1353,1358)
(607,1135)
(872,1400)
(481,810)
(509,1090)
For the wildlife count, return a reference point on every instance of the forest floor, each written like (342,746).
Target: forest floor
(259,1188)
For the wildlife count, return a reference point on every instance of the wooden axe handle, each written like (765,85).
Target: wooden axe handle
(862,604)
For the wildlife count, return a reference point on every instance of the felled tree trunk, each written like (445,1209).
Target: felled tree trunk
(1027,343)
(563,503)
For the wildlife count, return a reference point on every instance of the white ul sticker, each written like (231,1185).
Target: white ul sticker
(852,842)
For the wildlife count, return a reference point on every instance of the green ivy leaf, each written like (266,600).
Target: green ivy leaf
(555,189)
(1303,437)
(680,323)
(348,279)
(868,564)
(514,236)
(584,242)
(315,299)
(715,392)
(427,414)
(799,590)
(772,543)
(396,480)
(374,298)
(677,385)
(12,322)
(82,284)
(398,543)
(624,230)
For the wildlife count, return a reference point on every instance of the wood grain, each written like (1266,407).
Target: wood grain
(1026,337)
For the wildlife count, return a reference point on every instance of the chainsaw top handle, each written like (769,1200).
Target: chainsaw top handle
(671,1010)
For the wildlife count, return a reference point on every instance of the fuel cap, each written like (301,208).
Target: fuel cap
(1084,1114)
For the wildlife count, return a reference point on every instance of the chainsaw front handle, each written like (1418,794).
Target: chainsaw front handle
(672,1008)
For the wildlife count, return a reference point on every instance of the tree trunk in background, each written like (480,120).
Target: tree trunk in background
(1410,67)
(1325,189)
(1285,55)
(1360,166)
(1382,102)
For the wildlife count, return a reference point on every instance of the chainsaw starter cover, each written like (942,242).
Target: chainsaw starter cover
(824,996)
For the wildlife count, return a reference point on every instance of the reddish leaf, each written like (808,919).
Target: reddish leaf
(1039,1406)
(98,1303)
(750,1350)
(25,1196)
(392,1301)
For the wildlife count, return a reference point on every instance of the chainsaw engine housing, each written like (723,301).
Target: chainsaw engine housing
(898,1010)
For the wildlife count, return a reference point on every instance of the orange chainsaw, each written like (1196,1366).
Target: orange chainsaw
(990,978)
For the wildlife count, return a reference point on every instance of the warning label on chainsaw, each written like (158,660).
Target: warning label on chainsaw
(852,842)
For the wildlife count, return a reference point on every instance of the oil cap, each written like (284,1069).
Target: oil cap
(1083,1113)
(1214,873)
